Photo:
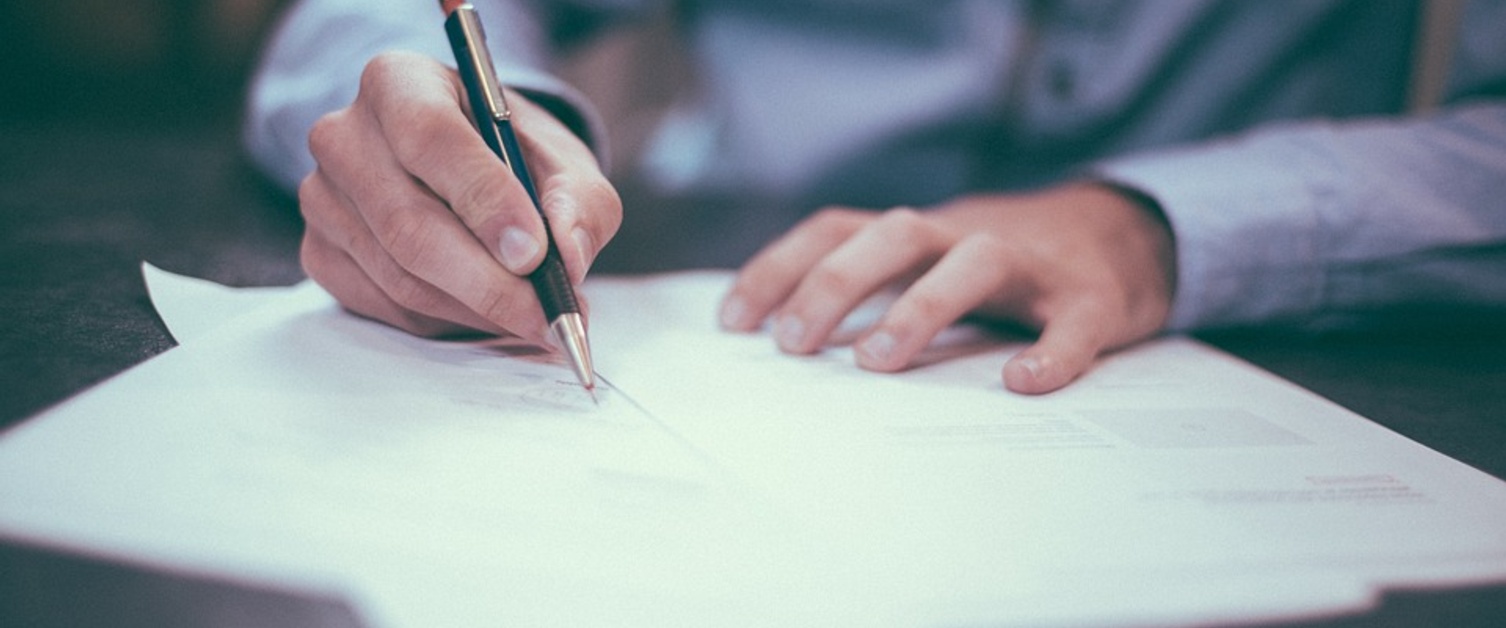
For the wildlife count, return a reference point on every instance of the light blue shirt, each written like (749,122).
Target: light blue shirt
(1271,133)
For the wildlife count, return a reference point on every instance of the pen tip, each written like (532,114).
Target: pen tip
(449,6)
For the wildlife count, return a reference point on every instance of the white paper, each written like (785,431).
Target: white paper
(192,307)
(720,482)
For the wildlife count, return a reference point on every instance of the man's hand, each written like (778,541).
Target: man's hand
(1090,268)
(411,220)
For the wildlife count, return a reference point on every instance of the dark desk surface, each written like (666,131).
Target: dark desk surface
(79,213)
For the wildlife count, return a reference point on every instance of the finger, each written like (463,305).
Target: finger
(898,242)
(774,272)
(414,230)
(584,210)
(976,270)
(1066,348)
(339,275)
(334,234)
(417,104)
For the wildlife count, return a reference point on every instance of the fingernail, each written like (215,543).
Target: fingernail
(517,249)
(878,347)
(734,310)
(1033,366)
(789,332)
(586,248)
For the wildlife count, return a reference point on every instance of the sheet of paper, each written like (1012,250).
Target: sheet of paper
(722,483)
(192,307)
(1172,460)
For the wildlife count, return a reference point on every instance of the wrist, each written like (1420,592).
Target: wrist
(1145,226)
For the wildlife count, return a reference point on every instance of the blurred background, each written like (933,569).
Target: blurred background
(128,60)
(118,144)
(174,63)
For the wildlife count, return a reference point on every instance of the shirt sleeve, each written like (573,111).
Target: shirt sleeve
(1324,224)
(313,63)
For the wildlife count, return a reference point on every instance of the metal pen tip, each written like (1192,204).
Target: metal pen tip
(571,332)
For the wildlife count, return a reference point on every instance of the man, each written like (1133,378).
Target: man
(1098,171)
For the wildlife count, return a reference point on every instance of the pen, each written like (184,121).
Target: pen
(494,121)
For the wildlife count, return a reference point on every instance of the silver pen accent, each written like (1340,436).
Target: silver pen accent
(570,329)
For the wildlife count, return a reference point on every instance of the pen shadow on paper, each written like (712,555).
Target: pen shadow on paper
(352,353)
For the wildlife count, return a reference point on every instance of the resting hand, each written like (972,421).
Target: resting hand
(411,220)
(1088,267)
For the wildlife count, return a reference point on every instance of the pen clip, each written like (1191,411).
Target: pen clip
(490,87)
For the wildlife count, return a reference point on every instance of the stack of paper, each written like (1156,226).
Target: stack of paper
(720,482)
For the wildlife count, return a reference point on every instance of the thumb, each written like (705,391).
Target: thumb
(1065,350)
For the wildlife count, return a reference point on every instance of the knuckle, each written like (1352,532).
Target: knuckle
(308,195)
(924,306)
(753,279)
(828,278)
(407,291)
(324,135)
(584,195)
(417,139)
(316,203)
(598,192)
(314,259)
(475,198)
(902,218)
(903,225)
(383,69)
(410,238)
(836,220)
(393,228)
(987,247)
(496,304)
(772,270)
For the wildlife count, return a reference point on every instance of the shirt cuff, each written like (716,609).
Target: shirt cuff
(1246,217)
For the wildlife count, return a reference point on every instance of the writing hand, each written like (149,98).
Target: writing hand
(411,220)
(1088,267)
